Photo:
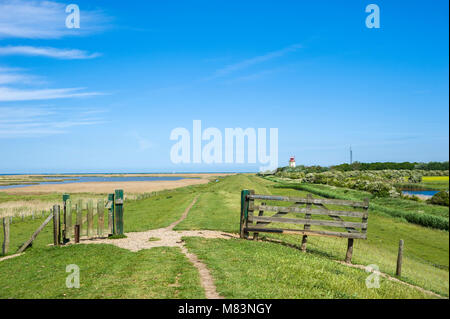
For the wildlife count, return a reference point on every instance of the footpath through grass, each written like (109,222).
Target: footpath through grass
(105,272)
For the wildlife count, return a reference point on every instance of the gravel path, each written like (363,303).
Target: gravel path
(167,237)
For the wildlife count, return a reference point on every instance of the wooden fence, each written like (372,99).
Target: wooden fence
(80,219)
(74,220)
(326,222)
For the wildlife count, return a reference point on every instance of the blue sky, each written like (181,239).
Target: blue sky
(105,97)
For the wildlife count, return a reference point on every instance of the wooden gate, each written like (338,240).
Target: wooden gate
(86,219)
(318,221)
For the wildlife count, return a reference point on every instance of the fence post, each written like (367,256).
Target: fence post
(77,234)
(65,228)
(111,227)
(349,254)
(56,226)
(306,227)
(79,220)
(5,245)
(100,214)
(251,207)
(244,213)
(90,218)
(399,258)
(68,227)
(118,203)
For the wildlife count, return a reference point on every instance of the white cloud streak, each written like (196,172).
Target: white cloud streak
(11,94)
(231,68)
(32,19)
(18,76)
(68,54)
(18,122)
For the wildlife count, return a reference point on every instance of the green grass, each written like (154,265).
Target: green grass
(247,269)
(156,211)
(219,203)
(426,258)
(105,272)
(20,231)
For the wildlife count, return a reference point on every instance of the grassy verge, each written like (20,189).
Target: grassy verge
(246,269)
(105,272)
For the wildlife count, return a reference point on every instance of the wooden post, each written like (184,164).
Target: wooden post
(90,218)
(100,220)
(244,213)
(307,216)
(349,254)
(118,203)
(69,219)
(5,245)
(251,205)
(399,258)
(80,216)
(56,229)
(77,234)
(111,225)
(65,198)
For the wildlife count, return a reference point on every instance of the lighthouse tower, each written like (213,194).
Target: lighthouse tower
(292,161)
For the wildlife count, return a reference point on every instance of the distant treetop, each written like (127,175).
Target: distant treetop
(357,166)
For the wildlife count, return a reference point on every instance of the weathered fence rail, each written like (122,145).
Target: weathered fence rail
(320,217)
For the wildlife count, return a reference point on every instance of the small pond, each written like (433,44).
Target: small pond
(419,192)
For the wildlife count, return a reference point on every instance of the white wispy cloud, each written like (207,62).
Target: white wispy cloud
(231,68)
(69,54)
(33,19)
(13,94)
(41,121)
(17,76)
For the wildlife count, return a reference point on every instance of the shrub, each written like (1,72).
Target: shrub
(441,198)
(415,178)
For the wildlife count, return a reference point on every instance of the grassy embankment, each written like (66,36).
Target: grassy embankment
(241,268)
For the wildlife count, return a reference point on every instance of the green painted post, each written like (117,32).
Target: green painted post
(118,203)
(65,231)
(111,214)
(244,212)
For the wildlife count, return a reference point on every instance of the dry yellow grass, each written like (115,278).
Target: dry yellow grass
(435,178)
(105,187)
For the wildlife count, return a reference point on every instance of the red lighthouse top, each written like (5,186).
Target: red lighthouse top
(292,159)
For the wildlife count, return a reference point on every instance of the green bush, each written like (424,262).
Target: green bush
(441,198)
(415,178)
